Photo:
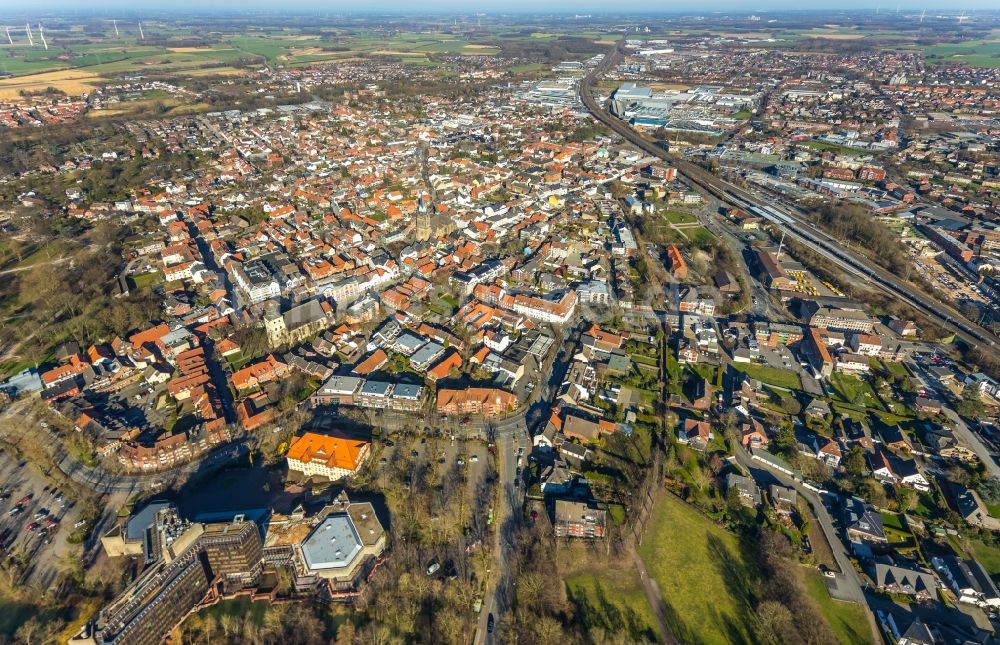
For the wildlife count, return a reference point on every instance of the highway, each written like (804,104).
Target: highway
(792,222)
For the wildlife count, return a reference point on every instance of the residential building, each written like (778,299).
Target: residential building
(968,580)
(578,519)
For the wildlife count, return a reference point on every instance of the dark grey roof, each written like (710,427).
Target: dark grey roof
(911,581)
(135,527)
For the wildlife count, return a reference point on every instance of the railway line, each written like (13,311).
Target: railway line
(792,223)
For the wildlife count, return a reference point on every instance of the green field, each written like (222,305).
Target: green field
(851,389)
(703,575)
(143,280)
(845,618)
(615,603)
(700,236)
(771,375)
(988,556)
(680,217)
(822,146)
(977,53)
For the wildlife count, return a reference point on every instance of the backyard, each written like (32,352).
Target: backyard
(771,375)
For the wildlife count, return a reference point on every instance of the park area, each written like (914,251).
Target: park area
(614,601)
(704,575)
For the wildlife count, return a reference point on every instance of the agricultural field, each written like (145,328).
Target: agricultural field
(69,81)
(692,560)
(977,53)
(78,68)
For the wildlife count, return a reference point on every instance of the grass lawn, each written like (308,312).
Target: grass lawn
(701,571)
(845,618)
(614,601)
(896,369)
(820,545)
(699,235)
(899,537)
(851,389)
(771,375)
(681,217)
(705,371)
(892,520)
(988,556)
(645,360)
(822,146)
(143,280)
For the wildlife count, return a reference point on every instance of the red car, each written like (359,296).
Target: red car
(24,500)
(50,522)
(31,527)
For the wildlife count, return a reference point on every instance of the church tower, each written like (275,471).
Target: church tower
(422,230)
(274,325)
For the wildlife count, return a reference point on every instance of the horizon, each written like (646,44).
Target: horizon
(497,8)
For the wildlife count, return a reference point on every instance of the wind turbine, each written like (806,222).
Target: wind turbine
(922,14)
(11,40)
(27,30)
(41,35)
(962,18)
(141,36)
(115,23)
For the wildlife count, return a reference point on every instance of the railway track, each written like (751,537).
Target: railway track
(792,223)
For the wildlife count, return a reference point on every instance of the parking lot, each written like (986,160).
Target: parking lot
(440,454)
(38,533)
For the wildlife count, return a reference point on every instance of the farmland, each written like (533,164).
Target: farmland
(69,81)
(77,68)
(977,53)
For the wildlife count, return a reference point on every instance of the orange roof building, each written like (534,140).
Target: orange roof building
(476,400)
(677,264)
(331,457)
(451,362)
(150,335)
(375,361)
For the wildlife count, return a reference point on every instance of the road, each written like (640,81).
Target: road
(506,519)
(101,480)
(789,221)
